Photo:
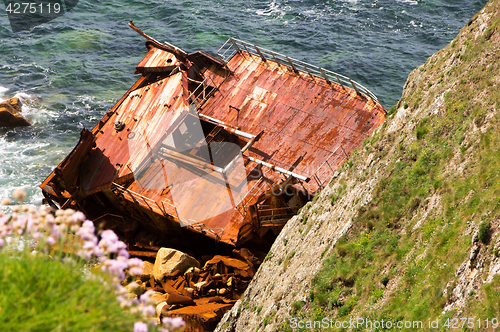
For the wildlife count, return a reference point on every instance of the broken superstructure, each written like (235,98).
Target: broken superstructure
(226,147)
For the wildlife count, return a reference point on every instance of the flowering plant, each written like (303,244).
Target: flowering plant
(67,237)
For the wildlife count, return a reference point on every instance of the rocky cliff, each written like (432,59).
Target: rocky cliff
(408,229)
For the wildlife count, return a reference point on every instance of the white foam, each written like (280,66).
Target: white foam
(26,101)
(410,2)
(2,92)
(273,9)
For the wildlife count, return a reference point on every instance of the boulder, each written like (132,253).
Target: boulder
(158,298)
(170,260)
(147,271)
(160,308)
(135,288)
(16,103)
(10,114)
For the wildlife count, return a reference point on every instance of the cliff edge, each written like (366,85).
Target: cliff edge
(408,230)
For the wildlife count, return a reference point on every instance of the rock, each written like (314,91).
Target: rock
(147,271)
(9,114)
(170,260)
(16,103)
(160,307)
(193,270)
(199,285)
(189,290)
(158,298)
(135,288)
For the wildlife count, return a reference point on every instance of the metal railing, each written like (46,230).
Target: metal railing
(202,228)
(203,91)
(199,95)
(317,175)
(233,46)
(140,199)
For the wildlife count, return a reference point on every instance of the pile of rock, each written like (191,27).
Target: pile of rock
(199,294)
(10,114)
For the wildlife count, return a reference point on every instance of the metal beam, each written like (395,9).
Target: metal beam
(279,169)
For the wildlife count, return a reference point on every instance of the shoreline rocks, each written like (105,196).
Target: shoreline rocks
(10,114)
(170,260)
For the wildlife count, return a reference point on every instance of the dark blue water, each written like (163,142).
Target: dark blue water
(72,70)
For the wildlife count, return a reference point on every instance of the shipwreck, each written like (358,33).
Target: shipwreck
(225,148)
(212,155)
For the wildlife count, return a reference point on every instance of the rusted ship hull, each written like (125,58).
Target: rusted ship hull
(226,148)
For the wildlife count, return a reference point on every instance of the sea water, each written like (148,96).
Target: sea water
(70,71)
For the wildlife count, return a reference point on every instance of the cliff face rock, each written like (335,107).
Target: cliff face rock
(408,229)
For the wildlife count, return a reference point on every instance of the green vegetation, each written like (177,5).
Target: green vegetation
(454,156)
(484,231)
(297,306)
(268,319)
(38,293)
(287,259)
(257,309)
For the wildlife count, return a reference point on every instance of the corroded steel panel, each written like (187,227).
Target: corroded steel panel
(301,116)
(157,60)
(109,159)
(302,111)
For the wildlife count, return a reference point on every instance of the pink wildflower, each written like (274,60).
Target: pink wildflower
(109,235)
(19,194)
(50,240)
(135,262)
(6,201)
(148,311)
(146,297)
(124,253)
(173,323)
(78,217)
(140,327)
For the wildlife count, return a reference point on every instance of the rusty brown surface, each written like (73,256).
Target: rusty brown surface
(301,116)
(157,60)
(202,296)
(309,127)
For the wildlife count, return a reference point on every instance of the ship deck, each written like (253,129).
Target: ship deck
(298,125)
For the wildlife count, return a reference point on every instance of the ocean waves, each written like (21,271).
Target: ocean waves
(72,70)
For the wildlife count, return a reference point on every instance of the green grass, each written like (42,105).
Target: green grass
(287,260)
(38,293)
(484,231)
(383,237)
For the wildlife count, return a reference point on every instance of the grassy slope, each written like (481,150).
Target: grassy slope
(443,172)
(41,294)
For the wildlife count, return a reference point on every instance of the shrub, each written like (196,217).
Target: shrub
(296,306)
(484,231)
(343,311)
(45,295)
(47,283)
(335,303)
